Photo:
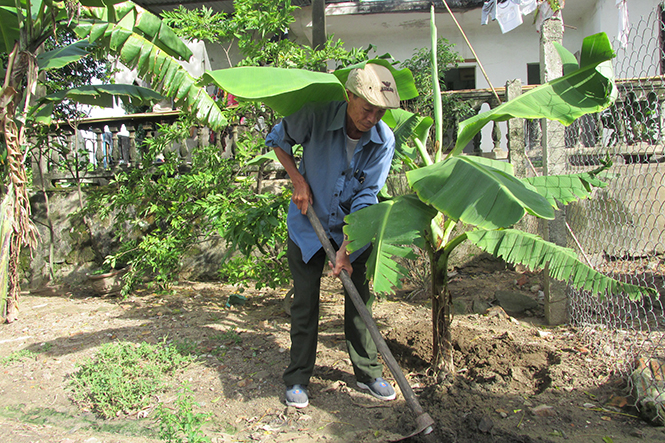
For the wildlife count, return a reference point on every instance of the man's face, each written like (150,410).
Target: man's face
(361,115)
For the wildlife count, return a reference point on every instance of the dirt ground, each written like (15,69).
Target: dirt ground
(516,381)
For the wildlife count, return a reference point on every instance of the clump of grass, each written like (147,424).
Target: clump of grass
(181,424)
(23,354)
(122,377)
(17,356)
(229,336)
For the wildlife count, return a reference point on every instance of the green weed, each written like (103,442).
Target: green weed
(123,377)
(181,424)
(229,336)
(187,347)
(17,356)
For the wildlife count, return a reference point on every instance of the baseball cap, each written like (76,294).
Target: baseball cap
(375,84)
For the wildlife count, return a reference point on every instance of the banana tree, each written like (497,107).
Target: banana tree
(485,195)
(135,36)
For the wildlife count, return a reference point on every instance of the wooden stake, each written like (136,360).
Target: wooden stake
(480,65)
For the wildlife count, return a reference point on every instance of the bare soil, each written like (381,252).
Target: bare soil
(515,381)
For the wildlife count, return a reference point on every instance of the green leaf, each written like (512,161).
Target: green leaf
(530,250)
(283,90)
(127,16)
(586,90)
(565,188)
(9,28)
(102,95)
(595,49)
(271,156)
(567,59)
(43,114)
(407,126)
(393,226)
(63,56)
(286,90)
(260,159)
(479,192)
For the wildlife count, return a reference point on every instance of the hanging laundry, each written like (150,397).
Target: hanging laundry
(508,15)
(527,6)
(624,23)
(489,12)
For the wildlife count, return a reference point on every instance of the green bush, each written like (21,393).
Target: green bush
(122,377)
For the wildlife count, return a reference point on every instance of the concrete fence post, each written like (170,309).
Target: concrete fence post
(554,163)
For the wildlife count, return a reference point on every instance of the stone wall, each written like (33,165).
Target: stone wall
(70,246)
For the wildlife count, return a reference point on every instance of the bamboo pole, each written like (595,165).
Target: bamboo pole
(480,65)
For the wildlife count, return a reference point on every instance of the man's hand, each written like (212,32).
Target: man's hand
(302,194)
(342,261)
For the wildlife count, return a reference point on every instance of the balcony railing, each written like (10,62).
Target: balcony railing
(632,129)
(93,150)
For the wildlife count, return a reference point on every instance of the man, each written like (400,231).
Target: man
(346,157)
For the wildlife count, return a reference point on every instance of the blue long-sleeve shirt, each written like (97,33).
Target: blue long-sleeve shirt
(338,188)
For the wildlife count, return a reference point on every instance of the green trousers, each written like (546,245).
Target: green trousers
(305,319)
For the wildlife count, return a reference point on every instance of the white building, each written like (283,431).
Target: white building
(401,27)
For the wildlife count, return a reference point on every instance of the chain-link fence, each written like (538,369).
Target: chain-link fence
(621,230)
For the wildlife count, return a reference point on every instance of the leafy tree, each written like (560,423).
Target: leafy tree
(167,207)
(259,28)
(125,30)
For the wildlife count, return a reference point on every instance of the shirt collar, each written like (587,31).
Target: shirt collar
(339,122)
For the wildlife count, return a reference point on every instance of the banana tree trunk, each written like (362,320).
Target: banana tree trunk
(5,240)
(442,349)
(16,89)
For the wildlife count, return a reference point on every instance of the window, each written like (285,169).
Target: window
(533,73)
(461,78)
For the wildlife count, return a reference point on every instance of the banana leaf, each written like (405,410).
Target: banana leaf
(409,127)
(565,189)
(588,89)
(9,27)
(153,64)
(532,251)
(63,56)
(479,192)
(102,95)
(125,18)
(394,226)
(285,91)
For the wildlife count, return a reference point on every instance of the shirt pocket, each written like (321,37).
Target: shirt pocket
(351,188)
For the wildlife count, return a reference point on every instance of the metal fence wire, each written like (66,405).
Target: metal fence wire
(620,231)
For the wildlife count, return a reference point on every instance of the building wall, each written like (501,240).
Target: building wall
(503,56)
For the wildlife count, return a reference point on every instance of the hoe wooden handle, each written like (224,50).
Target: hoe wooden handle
(424,422)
